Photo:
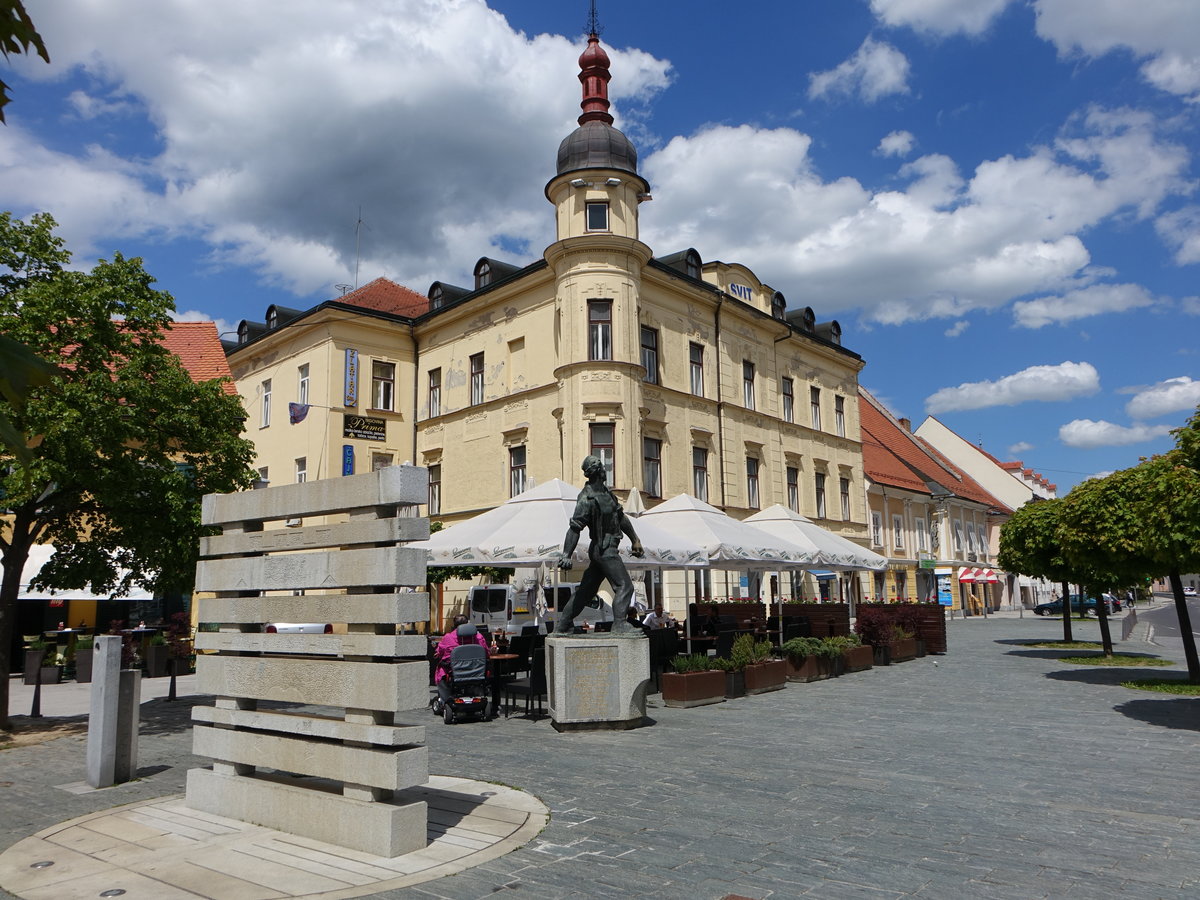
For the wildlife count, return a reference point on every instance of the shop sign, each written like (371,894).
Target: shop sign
(351,392)
(365,428)
(347,459)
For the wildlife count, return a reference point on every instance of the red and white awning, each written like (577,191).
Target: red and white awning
(965,576)
(986,576)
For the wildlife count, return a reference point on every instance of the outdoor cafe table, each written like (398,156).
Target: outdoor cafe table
(500,670)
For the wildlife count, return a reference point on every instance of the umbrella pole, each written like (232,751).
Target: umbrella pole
(688,606)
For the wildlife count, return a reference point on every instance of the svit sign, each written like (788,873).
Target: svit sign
(740,291)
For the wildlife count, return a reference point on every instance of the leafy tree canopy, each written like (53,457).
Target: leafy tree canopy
(17,35)
(1029,542)
(122,443)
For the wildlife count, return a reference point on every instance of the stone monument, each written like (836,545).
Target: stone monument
(338,775)
(598,681)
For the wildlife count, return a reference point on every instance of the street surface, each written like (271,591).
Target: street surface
(1165,620)
(994,771)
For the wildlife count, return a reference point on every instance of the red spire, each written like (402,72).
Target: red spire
(594,76)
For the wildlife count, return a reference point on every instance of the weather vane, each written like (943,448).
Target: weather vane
(593,23)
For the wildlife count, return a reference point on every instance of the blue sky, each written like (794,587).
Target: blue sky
(996,198)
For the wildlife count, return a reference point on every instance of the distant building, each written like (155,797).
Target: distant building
(933,520)
(1011,482)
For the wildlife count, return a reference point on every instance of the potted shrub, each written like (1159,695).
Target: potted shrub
(807,659)
(157,656)
(734,667)
(855,655)
(875,627)
(85,649)
(904,645)
(763,673)
(694,682)
(41,655)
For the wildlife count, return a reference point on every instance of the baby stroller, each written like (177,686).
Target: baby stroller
(469,684)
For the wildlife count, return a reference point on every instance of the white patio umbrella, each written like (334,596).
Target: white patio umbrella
(528,530)
(724,538)
(829,550)
(729,543)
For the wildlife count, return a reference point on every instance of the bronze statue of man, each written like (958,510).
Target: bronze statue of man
(598,510)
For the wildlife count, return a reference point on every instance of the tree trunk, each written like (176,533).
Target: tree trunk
(1066,599)
(19,540)
(1185,629)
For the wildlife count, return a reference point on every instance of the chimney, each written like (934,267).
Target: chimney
(906,424)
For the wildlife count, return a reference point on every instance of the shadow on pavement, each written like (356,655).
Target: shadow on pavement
(1176,712)
(162,716)
(1112,675)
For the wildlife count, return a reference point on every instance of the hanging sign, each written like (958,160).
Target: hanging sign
(351,398)
(365,428)
(347,459)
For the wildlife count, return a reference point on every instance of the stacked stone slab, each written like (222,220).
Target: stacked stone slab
(336,775)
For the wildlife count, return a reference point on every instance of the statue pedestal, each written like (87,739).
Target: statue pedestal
(597,682)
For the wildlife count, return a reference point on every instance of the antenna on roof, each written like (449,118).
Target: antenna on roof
(593,23)
(357,239)
(343,288)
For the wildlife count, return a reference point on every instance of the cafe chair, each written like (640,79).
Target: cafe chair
(532,687)
(725,642)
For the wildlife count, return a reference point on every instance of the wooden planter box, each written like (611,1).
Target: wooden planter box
(34,659)
(693,688)
(767,676)
(809,668)
(881,655)
(157,657)
(83,666)
(735,684)
(857,659)
(904,650)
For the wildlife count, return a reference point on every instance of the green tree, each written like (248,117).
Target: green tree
(1029,545)
(17,35)
(123,444)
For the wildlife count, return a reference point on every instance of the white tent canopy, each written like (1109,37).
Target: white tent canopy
(529,529)
(828,550)
(39,555)
(725,539)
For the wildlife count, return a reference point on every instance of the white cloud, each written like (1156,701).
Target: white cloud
(277,120)
(939,16)
(1050,384)
(1087,434)
(1093,300)
(225,329)
(957,328)
(941,245)
(1172,395)
(876,70)
(1165,33)
(897,143)
(1018,448)
(1180,230)
(1190,305)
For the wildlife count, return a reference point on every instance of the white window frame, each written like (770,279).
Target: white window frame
(606,452)
(752,493)
(814,405)
(518,457)
(301,469)
(844,491)
(696,368)
(266,404)
(792,479)
(748,384)
(839,415)
(383,385)
(603,214)
(922,535)
(435,392)
(600,330)
(876,529)
(787,388)
(435,489)
(302,384)
(700,473)
(819,492)
(652,466)
(897,532)
(477,364)
(650,354)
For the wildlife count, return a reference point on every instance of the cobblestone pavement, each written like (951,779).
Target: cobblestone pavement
(994,771)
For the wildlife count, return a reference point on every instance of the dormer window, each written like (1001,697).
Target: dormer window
(243,332)
(597,216)
(778,306)
(272,318)
(693,264)
(483,274)
(435,297)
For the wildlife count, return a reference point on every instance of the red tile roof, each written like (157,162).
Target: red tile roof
(894,456)
(198,347)
(384,295)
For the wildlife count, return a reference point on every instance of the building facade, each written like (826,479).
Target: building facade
(683,375)
(939,528)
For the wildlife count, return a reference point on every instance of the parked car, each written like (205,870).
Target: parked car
(298,628)
(1055,608)
(1190,591)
